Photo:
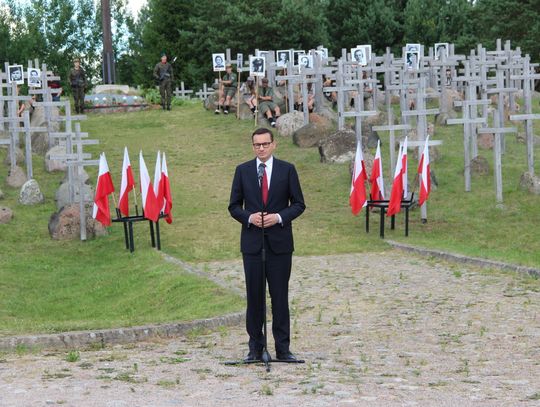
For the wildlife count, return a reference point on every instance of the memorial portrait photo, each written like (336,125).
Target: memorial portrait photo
(283,57)
(16,74)
(257,66)
(34,77)
(441,51)
(218,61)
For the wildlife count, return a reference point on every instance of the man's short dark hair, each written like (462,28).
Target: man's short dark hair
(263,130)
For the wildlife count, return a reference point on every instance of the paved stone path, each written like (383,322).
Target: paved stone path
(408,331)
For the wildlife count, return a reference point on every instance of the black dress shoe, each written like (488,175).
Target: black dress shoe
(253,357)
(288,356)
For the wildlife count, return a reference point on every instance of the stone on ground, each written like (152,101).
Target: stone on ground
(530,182)
(31,193)
(6,215)
(65,224)
(55,165)
(288,123)
(480,166)
(16,177)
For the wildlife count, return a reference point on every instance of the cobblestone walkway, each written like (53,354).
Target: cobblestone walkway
(406,331)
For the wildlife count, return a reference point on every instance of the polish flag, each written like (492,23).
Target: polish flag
(400,178)
(150,205)
(127,184)
(376,179)
(166,189)
(158,187)
(404,166)
(104,187)
(424,171)
(357,198)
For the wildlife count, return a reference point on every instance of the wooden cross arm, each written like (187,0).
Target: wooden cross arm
(498,130)
(531,116)
(359,114)
(479,120)
(394,127)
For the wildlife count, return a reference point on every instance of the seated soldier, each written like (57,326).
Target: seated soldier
(228,84)
(299,105)
(266,103)
(248,93)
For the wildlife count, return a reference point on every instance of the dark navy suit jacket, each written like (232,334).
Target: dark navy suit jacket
(284,197)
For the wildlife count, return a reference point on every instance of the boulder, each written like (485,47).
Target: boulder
(326,112)
(530,183)
(65,224)
(312,133)
(55,165)
(288,123)
(245,112)
(30,193)
(19,157)
(339,147)
(479,166)
(62,194)
(6,215)
(485,141)
(16,177)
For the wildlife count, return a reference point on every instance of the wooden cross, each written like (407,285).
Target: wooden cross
(182,93)
(28,130)
(528,76)
(204,92)
(291,79)
(78,161)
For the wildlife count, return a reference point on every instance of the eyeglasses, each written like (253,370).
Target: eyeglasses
(263,145)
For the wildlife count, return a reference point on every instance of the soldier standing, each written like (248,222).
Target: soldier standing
(77,80)
(228,82)
(163,73)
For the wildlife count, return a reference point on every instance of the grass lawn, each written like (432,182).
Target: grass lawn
(51,286)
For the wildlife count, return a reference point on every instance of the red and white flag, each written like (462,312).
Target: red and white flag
(126,185)
(104,188)
(400,181)
(149,201)
(357,197)
(376,179)
(166,188)
(404,166)
(158,187)
(424,171)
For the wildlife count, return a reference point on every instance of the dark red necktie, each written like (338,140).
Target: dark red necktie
(264,186)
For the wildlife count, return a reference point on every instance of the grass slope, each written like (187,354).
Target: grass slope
(53,286)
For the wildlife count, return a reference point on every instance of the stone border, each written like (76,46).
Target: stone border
(467,260)
(102,337)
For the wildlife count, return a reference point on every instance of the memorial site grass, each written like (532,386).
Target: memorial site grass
(49,286)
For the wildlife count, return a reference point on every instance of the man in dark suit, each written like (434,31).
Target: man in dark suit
(266,193)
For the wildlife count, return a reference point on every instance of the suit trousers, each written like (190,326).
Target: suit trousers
(278,272)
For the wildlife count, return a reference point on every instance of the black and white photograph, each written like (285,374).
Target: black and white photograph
(218,61)
(34,77)
(412,48)
(257,66)
(323,52)
(263,54)
(359,56)
(239,62)
(16,74)
(305,62)
(441,51)
(296,54)
(283,57)
(412,59)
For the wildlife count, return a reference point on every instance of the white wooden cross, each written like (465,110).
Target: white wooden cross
(182,93)
(528,77)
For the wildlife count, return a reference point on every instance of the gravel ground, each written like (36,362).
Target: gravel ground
(387,329)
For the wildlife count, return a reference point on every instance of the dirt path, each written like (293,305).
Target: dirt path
(403,331)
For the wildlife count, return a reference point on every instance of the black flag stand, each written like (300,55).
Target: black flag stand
(265,358)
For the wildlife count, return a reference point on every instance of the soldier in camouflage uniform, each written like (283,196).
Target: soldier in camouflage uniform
(228,84)
(77,80)
(266,103)
(163,74)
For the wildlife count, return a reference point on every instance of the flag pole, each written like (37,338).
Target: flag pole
(238,91)
(257,99)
